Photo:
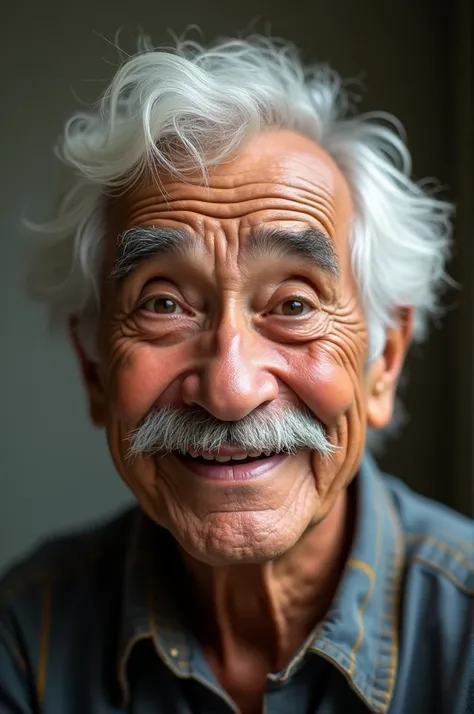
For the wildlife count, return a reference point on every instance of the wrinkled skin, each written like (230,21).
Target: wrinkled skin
(229,346)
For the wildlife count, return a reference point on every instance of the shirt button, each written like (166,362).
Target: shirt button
(174,652)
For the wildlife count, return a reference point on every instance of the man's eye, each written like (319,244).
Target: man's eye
(293,307)
(161,306)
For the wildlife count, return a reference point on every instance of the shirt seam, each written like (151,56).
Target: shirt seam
(419,537)
(122,667)
(320,648)
(53,575)
(379,688)
(446,573)
(370,572)
(443,546)
(391,597)
(91,546)
(12,648)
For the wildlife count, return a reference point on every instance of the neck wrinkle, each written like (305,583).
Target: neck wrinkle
(271,608)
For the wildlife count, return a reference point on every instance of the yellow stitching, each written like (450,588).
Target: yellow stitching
(152,625)
(462,586)
(317,648)
(122,665)
(134,557)
(333,659)
(395,597)
(362,565)
(414,538)
(449,549)
(44,642)
(370,572)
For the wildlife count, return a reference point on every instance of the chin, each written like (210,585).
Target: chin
(237,541)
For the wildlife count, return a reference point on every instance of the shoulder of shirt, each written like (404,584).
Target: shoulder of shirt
(437,539)
(65,558)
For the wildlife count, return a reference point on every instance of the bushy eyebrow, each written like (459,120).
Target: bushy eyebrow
(138,243)
(312,244)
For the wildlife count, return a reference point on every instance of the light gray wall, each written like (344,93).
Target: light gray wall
(54,467)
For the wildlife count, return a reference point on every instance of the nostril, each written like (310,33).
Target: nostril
(190,388)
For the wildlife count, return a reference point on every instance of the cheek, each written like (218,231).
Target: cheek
(323,384)
(139,379)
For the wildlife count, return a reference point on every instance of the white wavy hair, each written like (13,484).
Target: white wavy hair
(189,108)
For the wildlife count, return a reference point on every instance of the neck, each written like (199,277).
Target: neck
(269,609)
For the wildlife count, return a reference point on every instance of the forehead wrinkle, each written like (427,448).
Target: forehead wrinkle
(234,201)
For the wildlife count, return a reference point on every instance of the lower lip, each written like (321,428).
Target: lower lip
(215,471)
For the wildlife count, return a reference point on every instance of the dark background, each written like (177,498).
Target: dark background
(415,58)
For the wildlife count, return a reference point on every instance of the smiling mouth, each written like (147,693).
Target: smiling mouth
(234,465)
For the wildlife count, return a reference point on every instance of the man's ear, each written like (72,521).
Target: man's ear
(384,372)
(90,377)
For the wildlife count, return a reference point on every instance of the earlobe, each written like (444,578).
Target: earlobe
(380,403)
(385,372)
(378,397)
(90,377)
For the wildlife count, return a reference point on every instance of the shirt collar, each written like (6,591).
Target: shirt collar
(149,610)
(358,634)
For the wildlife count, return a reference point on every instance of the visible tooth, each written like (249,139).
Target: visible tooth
(239,457)
(222,459)
(267,452)
(208,457)
(194,454)
(254,454)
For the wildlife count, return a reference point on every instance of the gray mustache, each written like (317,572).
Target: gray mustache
(182,429)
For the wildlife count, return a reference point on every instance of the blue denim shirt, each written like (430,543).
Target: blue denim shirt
(95,623)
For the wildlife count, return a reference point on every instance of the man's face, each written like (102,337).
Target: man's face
(233,319)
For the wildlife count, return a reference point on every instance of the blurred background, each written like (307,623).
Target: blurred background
(415,59)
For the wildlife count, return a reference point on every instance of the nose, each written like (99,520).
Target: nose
(233,380)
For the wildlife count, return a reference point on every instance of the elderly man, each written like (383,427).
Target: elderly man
(242,264)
